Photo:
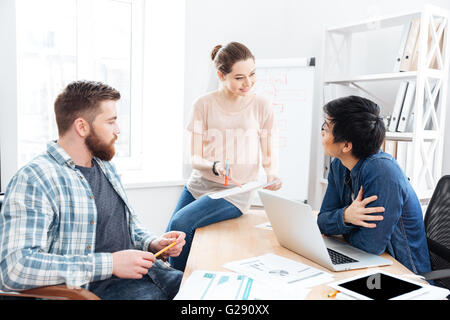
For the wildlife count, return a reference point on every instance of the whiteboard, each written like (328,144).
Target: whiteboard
(289,84)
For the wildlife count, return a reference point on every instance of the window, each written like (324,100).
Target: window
(133,45)
(46,61)
(163,97)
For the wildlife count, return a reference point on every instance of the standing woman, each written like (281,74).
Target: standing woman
(230,128)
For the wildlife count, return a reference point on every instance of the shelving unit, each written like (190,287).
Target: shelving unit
(410,75)
(426,137)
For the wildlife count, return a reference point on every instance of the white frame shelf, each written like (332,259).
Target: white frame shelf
(431,73)
(427,143)
(375,22)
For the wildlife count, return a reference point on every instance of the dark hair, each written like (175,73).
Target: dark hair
(225,57)
(357,120)
(81,99)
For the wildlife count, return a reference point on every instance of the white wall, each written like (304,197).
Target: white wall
(278,29)
(154,205)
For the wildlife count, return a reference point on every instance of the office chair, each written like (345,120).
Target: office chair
(56,292)
(437,227)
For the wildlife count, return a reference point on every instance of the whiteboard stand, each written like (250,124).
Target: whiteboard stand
(289,84)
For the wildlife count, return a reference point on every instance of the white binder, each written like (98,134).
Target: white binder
(413,35)
(407,106)
(402,47)
(398,106)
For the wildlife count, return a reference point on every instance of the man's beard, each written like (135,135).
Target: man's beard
(100,149)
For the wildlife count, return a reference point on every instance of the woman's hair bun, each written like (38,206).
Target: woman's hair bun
(225,57)
(214,51)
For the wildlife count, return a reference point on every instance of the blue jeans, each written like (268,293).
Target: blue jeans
(160,283)
(191,214)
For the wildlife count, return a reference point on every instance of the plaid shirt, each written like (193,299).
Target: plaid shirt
(48,224)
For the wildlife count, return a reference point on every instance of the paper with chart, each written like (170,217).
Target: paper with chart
(254,185)
(245,188)
(280,272)
(212,285)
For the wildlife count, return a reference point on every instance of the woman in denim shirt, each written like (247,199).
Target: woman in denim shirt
(369,200)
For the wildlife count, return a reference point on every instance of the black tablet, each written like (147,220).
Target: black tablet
(379,285)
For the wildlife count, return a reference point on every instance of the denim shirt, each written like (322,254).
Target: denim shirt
(401,232)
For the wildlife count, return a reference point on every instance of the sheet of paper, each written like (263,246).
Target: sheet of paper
(237,190)
(212,285)
(280,272)
(266,226)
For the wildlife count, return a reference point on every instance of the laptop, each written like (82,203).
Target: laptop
(295,227)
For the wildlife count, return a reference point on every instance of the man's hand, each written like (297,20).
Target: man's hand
(357,213)
(166,239)
(132,264)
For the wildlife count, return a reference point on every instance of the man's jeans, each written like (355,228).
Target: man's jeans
(160,283)
(191,214)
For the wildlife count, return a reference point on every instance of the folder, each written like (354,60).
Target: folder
(387,120)
(398,106)
(407,106)
(403,39)
(410,46)
(410,124)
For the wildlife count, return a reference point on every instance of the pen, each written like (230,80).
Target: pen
(227,169)
(166,248)
(332,295)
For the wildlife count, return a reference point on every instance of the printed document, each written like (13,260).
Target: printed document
(280,272)
(254,185)
(212,285)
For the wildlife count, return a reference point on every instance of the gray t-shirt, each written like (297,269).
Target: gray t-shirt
(111,233)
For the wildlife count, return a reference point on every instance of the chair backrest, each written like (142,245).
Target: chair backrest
(437,226)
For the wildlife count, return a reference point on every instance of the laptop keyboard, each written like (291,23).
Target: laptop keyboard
(339,258)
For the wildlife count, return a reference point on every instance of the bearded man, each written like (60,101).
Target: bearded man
(66,217)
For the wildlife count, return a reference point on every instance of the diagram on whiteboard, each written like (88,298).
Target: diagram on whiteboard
(290,88)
